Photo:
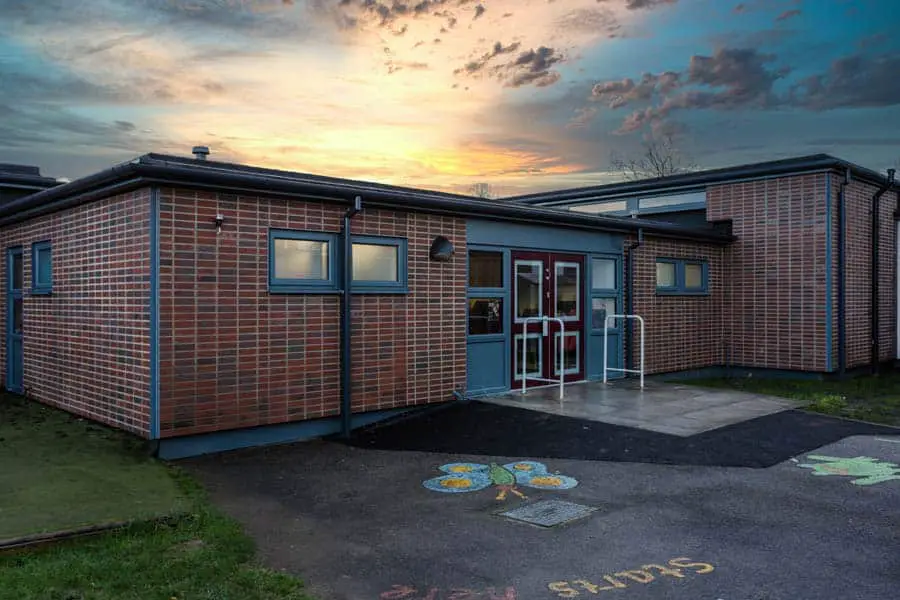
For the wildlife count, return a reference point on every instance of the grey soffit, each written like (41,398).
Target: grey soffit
(549,513)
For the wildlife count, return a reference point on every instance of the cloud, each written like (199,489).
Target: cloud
(729,79)
(479,10)
(852,81)
(788,14)
(644,4)
(590,20)
(480,63)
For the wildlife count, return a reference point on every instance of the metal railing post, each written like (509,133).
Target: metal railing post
(606,367)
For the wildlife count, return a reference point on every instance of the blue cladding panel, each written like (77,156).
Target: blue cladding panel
(487,366)
(534,237)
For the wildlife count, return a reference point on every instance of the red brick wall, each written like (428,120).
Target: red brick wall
(774,316)
(232,355)
(682,332)
(87,346)
(858,212)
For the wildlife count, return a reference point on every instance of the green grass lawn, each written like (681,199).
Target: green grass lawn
(867,398)
(58,471)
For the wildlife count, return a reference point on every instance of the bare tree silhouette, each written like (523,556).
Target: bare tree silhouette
(659,157)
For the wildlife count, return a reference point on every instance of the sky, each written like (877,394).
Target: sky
(524,95)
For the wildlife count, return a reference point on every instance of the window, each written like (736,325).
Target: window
(301,261)
(485,269)
(41,268)
(485,316)
(379,264)
(680,277)
(604,291)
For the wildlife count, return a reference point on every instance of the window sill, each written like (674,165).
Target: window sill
(311,290)
(41,291)
(682,292)
(358,289)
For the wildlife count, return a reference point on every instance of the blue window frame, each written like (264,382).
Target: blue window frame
(682,277)
(379,265)
(302,262)
(41,268)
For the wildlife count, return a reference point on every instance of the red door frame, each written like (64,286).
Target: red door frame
(549,346)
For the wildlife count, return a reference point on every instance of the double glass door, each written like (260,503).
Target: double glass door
(547,284)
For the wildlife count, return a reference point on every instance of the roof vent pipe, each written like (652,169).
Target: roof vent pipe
(200,152)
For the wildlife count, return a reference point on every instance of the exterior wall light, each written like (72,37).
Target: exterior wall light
(441,249)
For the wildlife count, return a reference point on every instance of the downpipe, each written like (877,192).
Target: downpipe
(347,318)
(629,298)
(876,237)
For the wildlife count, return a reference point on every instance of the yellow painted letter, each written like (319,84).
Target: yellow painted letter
(562,588)
(587,585)
(664,570)
(639,576)
(613,582)
(685,563)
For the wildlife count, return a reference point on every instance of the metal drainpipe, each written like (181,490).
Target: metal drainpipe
(346,318)
(842,288)
(876,222)
(629,296)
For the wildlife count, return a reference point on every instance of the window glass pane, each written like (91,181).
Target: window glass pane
(571,351)
(485,316)
(375,262)
(665,274)
(43,266)
(485,269)
(301,259)
(18,271)
(603,274)
(528,288)
(600,307)
(533,355)
(693,276)
(17,315)
(567,290)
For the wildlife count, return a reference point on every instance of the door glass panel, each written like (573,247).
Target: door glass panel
(571,353)
(603,273)
(529,287)
(17,315)
(533,355)
(600,307)
(568,305)
(485,269)
(485,316)
(18,271)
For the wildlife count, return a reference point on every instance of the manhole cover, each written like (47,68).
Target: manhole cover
(549,513)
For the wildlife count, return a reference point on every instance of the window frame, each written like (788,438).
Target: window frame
(401,286)
(281,285)
(680,288)
(39,288)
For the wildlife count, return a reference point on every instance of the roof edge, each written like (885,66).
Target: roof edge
(699,180)
(160,170)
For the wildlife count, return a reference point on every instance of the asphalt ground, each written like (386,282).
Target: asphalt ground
(710,520)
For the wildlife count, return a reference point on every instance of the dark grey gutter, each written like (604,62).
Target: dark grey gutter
(698,181)
(208,175)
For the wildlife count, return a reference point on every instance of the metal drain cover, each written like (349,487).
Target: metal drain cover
(549,513)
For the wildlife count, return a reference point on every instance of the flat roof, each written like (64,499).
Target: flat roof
(165,170)
(700,180)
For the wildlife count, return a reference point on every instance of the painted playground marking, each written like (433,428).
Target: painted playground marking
(408,592)
(675,568)
(867,471)
(472,477)
(889,441)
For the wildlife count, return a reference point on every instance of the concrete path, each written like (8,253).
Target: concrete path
(363,524)
(671,408)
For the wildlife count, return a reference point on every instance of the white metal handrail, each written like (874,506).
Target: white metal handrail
(562,335)
(606,366)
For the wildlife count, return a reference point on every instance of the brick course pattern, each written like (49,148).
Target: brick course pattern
(232,355)
(774,313)
(858,213)
(682,332)
(86,347)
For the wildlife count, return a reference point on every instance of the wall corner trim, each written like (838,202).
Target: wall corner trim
(154,313)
